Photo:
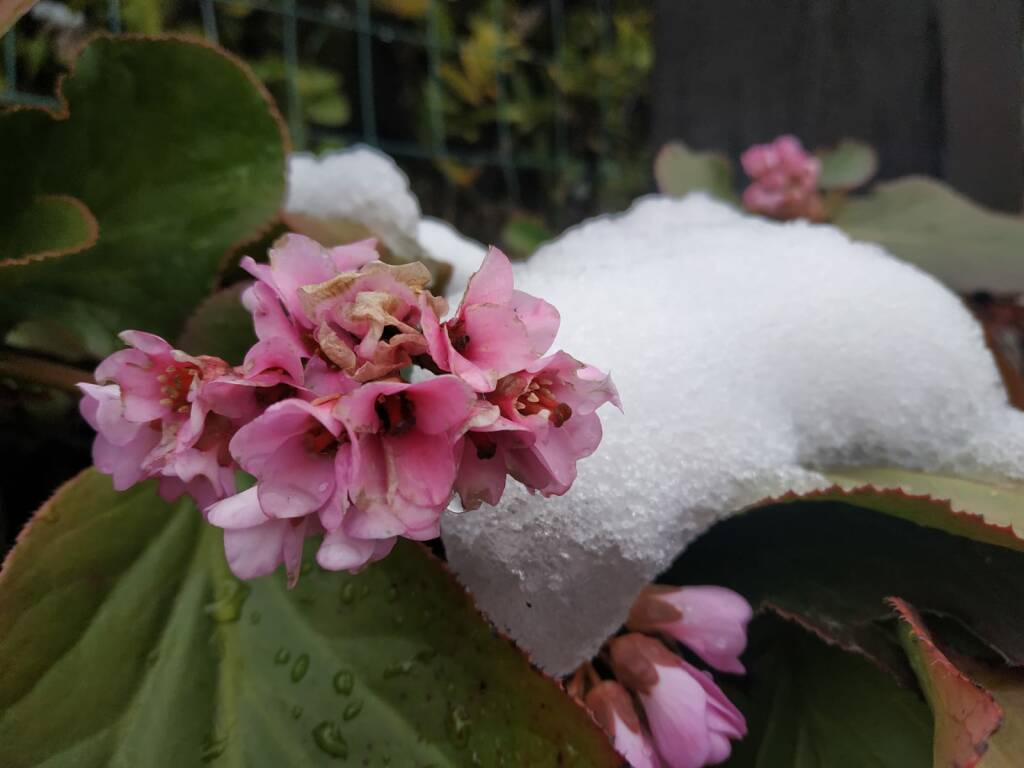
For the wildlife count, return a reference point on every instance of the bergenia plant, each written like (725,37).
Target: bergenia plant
(358,412)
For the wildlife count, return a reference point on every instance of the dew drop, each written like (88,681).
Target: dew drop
(300,667)
(329,739)
(392,594)
(296,712)
(351,712)
(348,593)
(212,747)
(457,725)
(228,599)
(344,682)
(282,656)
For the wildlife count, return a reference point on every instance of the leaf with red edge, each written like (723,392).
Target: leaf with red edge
(829,559)
(966,715)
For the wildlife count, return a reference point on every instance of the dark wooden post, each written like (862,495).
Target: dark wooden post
(935,85)
(983,78)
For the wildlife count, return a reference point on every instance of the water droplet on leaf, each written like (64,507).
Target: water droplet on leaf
(228,599)
(282,656)
(300,667)
(213,746)
(296,711)
(328,738)
(457,725)
(352,711)
(343,682)
(348,593)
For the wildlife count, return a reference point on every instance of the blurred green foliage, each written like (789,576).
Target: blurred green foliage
(566,95)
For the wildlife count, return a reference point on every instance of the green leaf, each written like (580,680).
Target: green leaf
(132,645)
(47,227)
(679,170)
(220,326)
(966,715)
(928,224)
(809,705)
(847,166)
(830,559)
(176,150)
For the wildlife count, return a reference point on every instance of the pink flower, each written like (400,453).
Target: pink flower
(546,423)
(784,180)
(301,457)
(366,322)
(690,718)
(614,711)
(711,621)
(406,435)
(120,447)
(152,421)
(255,543)
(297,261)
(496,331)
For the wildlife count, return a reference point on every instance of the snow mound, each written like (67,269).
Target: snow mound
(748,354)
(443,242)
(353,194)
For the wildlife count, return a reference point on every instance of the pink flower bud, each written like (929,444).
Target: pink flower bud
(711,621)
(690,718)
(612,707)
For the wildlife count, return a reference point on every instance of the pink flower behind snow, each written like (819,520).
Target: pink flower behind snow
(784,180)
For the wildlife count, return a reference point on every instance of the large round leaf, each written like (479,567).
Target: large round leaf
(928,224)
(126,642)
(176,150)
(832,558)
(812,706)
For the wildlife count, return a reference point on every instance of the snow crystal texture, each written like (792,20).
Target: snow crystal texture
(748,354)
(333,197)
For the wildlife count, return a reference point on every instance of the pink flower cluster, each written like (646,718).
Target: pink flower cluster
(357,413)
(783,180)
(684,720)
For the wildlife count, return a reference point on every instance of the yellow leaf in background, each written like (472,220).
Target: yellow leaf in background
(459,174)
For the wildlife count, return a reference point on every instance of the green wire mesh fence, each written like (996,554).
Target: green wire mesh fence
(369,31)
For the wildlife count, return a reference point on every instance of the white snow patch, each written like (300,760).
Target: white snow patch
(350,194)
(747,354)
(445,243)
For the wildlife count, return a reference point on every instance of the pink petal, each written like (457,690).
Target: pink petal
(350,257)
(441,404)
(480,480)
(540,318)
(435,335)
(239,511)
(424,467)
(341,552)
(675,710)
(255,551)
(713,624)
(147,343)
(492,283)
(293,482)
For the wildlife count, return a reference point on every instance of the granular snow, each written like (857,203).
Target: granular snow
(748,354)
